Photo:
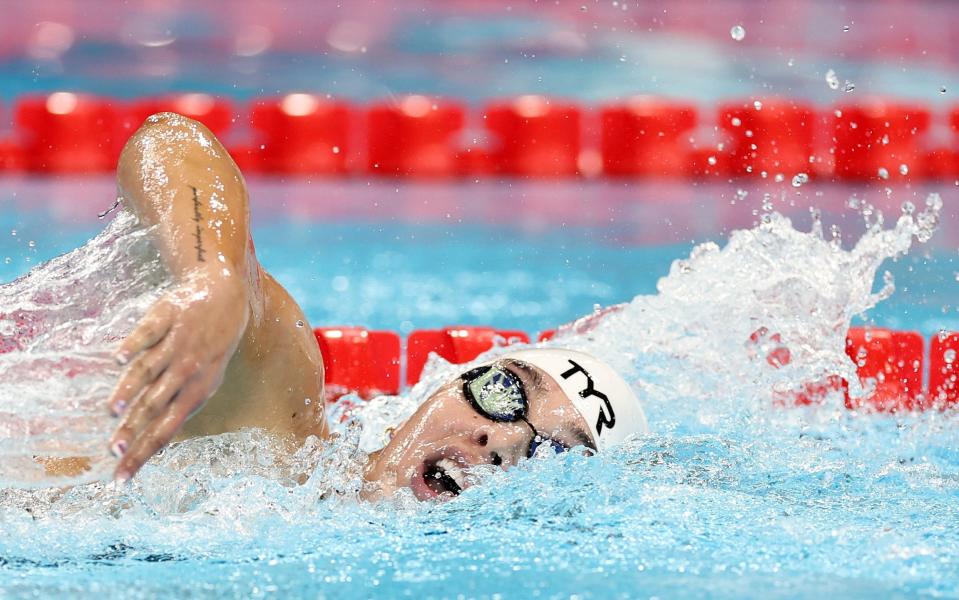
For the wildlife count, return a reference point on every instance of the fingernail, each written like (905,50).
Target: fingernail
(122,358)
(119,448)
(119,407)
(121,477)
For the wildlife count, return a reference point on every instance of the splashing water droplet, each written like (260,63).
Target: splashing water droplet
(737,32)
(799,179)
(903,169)
(832,80)
(767,202)
(908,208)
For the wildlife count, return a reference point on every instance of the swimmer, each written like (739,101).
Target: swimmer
(227,348)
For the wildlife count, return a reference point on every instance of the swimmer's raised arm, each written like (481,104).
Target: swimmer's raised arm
(178,179)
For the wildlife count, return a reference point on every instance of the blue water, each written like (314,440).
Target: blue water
(451,263)
(719,502)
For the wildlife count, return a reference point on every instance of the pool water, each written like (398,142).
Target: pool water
(729,497)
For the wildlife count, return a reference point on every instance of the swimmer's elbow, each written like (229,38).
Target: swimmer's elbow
(165,144)
(166,134)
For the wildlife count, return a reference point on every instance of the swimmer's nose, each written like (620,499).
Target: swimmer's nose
(501,444)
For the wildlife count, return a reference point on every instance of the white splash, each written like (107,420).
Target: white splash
(59,325)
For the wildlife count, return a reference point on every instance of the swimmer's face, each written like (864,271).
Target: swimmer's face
(433,452)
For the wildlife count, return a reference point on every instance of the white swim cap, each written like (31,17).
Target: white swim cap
(610,407)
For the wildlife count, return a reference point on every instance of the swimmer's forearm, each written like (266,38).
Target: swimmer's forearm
(178,178)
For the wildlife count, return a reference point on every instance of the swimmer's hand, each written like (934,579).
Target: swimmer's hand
(177,356)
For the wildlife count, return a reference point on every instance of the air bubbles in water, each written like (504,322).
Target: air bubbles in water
(737,32)
(711,160)
(850,86)
(942,90)
(883,173)
(908,208)
(300,323)
(758,105)
(845,28)
(903,169)
(799,179)
(949,356)
(832,80)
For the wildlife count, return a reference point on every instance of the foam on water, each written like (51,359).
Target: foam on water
(59,325)
(730,495)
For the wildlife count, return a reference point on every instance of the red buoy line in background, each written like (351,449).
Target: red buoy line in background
(528,136)
(890,363)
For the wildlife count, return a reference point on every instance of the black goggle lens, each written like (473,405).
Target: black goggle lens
(496,393)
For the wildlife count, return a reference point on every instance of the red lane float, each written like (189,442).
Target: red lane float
(648,137)
(414,137)
(530,136)
(943,163)
(11,158)
(300,134)
(358,360)
(455,344)
(889,364)
(772,136)
(535,136)
(217,113)
(876,139)
(943,372)
(69,133)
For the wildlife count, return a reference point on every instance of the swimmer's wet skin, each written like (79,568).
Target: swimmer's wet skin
(227,348)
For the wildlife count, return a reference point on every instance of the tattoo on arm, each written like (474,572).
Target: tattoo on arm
(198,234)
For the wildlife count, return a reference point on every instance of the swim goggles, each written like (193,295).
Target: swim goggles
(498,395)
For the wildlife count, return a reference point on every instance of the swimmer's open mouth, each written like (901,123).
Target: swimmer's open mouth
(445,477)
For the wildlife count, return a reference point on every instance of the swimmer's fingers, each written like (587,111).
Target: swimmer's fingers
(160,432)
(142,372)
(154,400)
(149,331)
